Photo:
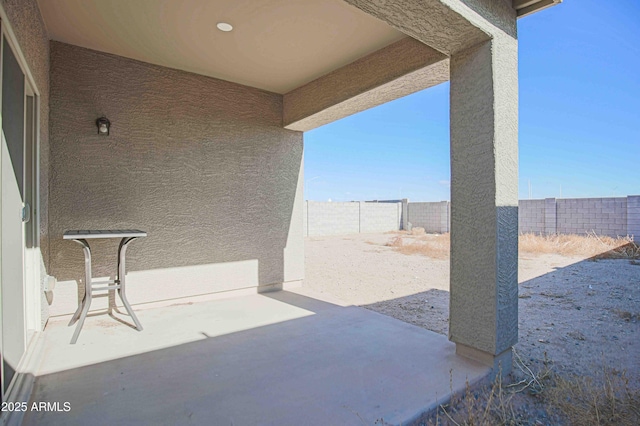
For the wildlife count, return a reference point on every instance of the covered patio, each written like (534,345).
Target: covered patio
(281,358)
(205,154)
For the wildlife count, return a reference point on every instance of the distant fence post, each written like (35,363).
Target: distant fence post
(305,220)
(550,216)
(405,214)
(633,216)
(444,216)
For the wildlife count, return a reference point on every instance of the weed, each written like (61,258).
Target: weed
(434,246)
(626,315)
(480,406)
(417,231)
(606,399)
(395,242)
(590,245)
(603,400)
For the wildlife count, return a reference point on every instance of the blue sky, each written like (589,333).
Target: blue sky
(579,65)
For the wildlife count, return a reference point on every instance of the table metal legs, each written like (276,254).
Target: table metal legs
(120,279)
(117,284)
(83,308)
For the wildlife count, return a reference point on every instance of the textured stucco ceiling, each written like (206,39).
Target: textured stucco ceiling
(276,45)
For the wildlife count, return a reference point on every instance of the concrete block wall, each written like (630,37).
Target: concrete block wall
(380,217)
(531,216)
(616,216)
(550,216)
(325,218)
(604,216)
(613,216)
(433,217)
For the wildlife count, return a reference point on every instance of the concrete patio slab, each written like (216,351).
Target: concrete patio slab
(280,358)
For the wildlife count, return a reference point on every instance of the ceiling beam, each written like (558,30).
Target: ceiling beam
(399,69)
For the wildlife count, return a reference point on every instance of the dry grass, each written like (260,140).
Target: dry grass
(417,231)
(414,231)
(496,404)
(627,316)
(603,400)
(590,245)
(494,408)
(433,246)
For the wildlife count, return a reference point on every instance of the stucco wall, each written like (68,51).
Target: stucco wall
(28,26)
(202,165)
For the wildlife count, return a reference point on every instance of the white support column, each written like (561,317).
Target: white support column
(480,38)
(484,201)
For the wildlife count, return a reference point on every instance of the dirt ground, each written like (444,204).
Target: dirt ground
(579,314)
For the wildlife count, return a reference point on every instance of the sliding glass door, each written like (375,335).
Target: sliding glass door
(18,116)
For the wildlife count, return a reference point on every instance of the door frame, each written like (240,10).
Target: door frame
(31,238)
(31,260)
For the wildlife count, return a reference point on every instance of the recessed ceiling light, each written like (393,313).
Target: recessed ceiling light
(223,26)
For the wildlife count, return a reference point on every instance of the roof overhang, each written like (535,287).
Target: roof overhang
(527,7)
(328,58)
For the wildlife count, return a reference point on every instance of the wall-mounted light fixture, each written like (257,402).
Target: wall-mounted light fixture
(225,27)
(103,126)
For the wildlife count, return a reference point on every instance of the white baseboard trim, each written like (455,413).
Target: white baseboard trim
(204,297)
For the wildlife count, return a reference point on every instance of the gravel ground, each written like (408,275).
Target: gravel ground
(583,314)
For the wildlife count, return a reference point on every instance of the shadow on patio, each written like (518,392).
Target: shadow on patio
(281,358)
(579,317)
